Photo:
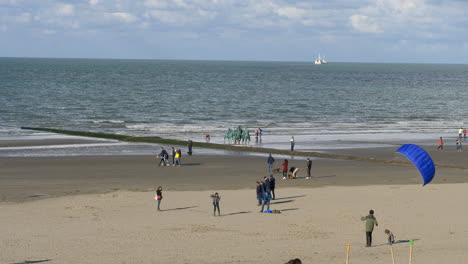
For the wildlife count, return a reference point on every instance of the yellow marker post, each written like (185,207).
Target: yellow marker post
(391,252)
(348,248)
(411,244)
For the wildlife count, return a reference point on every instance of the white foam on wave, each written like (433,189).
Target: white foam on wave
(64,146)
(108,121)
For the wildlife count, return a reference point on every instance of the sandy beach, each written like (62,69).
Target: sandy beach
(102,210)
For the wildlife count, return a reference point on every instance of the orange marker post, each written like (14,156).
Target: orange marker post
(348,248)
(391,252)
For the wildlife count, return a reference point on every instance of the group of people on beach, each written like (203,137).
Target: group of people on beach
(370,223)
(292,170)
(176,155)
(458,143)
(215,197)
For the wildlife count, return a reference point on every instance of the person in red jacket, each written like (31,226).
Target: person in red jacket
(285,168)
(441,144)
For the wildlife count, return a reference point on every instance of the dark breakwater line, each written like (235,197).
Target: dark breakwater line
(159,140)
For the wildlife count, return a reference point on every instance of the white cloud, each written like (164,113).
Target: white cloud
(93,2)
(291,12)
(124,17)
(155,3)
(65,10)
(364,24)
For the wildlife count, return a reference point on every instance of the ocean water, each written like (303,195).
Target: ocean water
(338,105)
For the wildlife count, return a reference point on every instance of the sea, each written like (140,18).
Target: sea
(331,106)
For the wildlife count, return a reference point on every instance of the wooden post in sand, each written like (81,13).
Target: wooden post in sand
(411,244)
(391,251)
(348,247)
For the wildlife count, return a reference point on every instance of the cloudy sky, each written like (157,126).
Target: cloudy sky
(284,30)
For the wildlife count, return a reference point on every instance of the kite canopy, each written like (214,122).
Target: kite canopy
(420,159)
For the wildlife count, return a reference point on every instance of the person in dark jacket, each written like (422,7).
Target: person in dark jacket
(190,145)
(173,152)
(309,168)
(259,193)
(266,201)
(266,186)
(164,156)
(216,199)
(270,162)
(272,182)
(371,221)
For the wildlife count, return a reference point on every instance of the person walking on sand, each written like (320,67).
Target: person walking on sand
(189,146)
(216,199)
(460,131)
(266,201)
(259,193)
(164,156)
(441,144)
(159,197)
(371,221)
(293,142)
(270,162)
(285,168)
(272,182)
(464,134)
(309,168)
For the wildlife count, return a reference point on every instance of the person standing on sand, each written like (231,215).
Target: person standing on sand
(464,134)
(177,156)
(460,131)
(173,153)
(285,168)
(270,162)
(272,182)
(441,144)
(390,237)
(159,197)
(459,145)
(309,168)
(371,221)
(190,145)
(259,193)
(216,199)
(266,201)
(293,142)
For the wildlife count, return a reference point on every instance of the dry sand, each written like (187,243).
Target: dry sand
(315,225)
(101,210)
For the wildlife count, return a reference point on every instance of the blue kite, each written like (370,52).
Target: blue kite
(420,159)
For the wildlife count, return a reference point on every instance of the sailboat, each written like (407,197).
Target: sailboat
(320,60)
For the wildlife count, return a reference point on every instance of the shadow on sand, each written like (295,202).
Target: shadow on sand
(179,208)
(290,197)
(32,261)
(190,164)
(289,209)
(243,212)
(281,202)
(397,242)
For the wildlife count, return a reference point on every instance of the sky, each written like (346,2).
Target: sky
(413,31)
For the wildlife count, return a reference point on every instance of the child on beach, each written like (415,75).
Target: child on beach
(459,145)
(441,144)
(159,197)
(177,155)
(390,237)
(371,221)
(216,199)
